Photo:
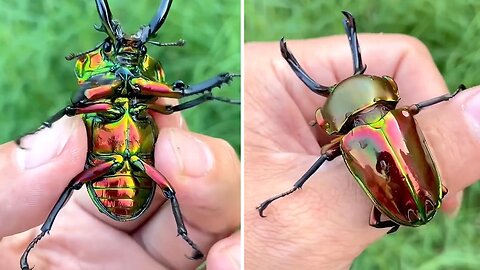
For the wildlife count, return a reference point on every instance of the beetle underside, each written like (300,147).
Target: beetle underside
(119,85)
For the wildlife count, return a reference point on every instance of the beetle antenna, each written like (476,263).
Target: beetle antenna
(179,43)
(351,31)
(72,56)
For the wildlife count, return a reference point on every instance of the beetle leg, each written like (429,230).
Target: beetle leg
(69,111)
(329,153)
(83,98)
(152,88)
(351,31)
(179,89)
(301,73)
(414,109)
(194,102)
(95,89)
(90,174)
(169,193)
(376,222)
(72,110)
(169,109)
(205,86)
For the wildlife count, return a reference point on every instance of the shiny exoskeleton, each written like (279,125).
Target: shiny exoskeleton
(381,145)
(119,84)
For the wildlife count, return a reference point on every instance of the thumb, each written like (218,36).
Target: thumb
(34,175)
(225,254)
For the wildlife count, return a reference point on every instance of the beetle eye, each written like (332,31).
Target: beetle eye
(143,49)
(107,46)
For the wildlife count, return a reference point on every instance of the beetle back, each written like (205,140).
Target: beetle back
(390,160)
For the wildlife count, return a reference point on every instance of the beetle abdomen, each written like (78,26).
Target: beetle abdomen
(122,197)
(391,162)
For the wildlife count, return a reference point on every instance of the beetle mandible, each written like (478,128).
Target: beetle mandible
(382,146)
(119,84)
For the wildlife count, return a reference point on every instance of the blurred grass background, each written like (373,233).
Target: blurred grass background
(36,81)
(450,29)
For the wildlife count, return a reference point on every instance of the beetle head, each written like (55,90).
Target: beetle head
(128,50)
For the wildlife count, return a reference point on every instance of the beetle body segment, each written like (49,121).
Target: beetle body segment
(124,133)
(390,160)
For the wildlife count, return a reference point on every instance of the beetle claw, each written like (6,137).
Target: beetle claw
(262,208)
(265,204)
(197,255)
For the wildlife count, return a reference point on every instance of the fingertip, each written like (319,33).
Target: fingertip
(225,254)
(452,203)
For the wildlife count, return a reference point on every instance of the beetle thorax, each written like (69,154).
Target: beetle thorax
(351,96)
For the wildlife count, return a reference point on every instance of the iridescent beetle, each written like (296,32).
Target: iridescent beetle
(119,84)
(381,145)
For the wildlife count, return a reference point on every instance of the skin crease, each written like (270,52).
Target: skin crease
(325,224)
(83,238)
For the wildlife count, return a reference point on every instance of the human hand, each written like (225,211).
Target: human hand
(204,171)
(325,225)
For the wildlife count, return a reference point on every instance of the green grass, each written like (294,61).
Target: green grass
(36,81)
(450,29)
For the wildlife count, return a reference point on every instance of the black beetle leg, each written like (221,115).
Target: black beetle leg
(46,124)
(90,174)
(414,109)
(169,194)
(351,31)
(330,153)
(301,73)
(71,110)
(79,100)
(46,226)
(376,222)
(208,85)
(296,186)
(194,102)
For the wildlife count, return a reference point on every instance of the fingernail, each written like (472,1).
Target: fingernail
(194,157)
(41,147)
(233,254)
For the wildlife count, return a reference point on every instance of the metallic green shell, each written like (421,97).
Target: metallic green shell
(352,96)
(96,63)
